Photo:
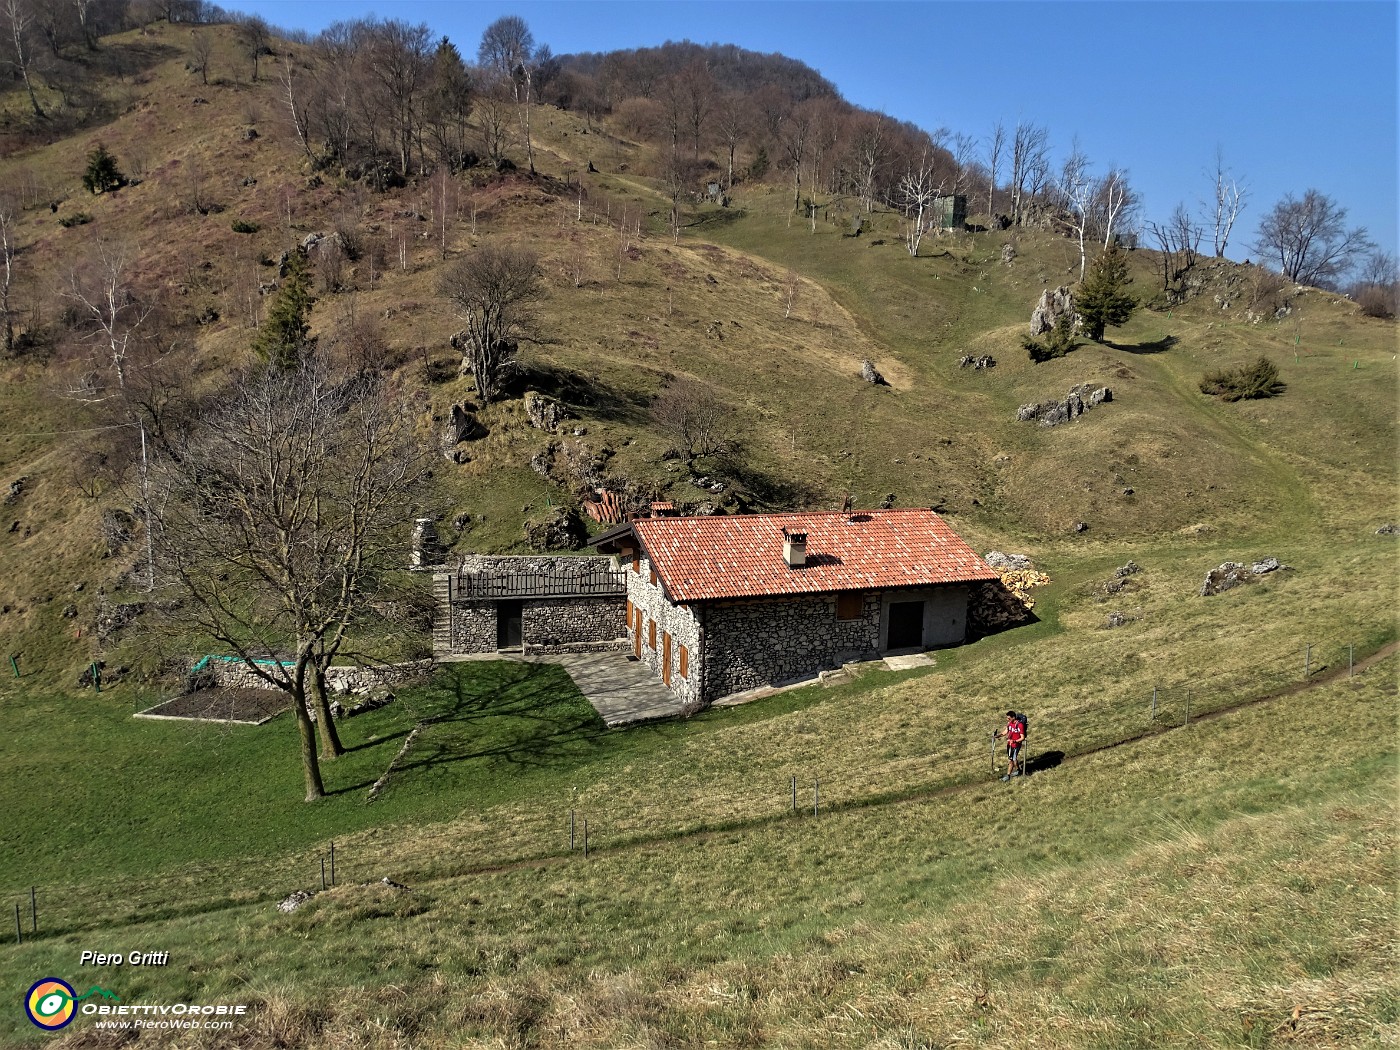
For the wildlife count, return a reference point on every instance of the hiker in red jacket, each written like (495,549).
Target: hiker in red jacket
(1015,734)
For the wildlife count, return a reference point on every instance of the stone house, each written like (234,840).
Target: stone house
(529,603)
(717,605)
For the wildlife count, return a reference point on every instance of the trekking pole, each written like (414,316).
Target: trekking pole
(994,752)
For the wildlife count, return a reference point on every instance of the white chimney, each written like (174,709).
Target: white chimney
(794,549)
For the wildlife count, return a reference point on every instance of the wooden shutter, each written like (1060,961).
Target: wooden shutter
(685,663)
(651,635)
(850,606)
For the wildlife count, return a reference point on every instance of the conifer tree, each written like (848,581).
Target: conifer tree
(283,335)
(1101,300)
(102,173)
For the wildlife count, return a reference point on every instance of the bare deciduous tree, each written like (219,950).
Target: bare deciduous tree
(996,145)
(1308,240)
(255,35)
(1114,201)
(918,187)
(1030,165)
(1076,191)
(695,418)
(201,48)
(508,49)
(494,290)
(9,217)
(278,527)
(103,291)
(18,18)
(1227,201)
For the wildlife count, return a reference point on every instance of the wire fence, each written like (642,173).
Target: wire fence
(693,804)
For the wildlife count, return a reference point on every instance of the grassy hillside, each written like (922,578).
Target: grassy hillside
(1188,881)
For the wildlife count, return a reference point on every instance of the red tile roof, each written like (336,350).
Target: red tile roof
(742,555)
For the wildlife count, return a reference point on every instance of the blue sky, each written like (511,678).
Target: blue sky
(1298,95)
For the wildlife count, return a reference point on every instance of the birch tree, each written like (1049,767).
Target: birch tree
(1227,200)
(19,18)
(918,187)
(996,146)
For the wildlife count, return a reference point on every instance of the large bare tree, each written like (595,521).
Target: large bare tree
(494,290)
(279,524)
(1307,238)
(508,50)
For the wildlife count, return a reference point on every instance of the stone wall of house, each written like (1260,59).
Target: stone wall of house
(649,604)
(549,623)
(546,623)
(473,627)
(773,640)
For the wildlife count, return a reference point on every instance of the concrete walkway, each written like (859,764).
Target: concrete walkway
(620,690)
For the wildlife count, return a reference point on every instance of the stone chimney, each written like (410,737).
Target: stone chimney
(425,547)
(794,549)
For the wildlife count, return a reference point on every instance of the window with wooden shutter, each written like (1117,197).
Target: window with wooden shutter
(685,663)
(629,612)
(651,635)
(653,575)
(850,606)
(637,561)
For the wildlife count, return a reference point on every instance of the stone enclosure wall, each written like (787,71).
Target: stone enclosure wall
(235,674)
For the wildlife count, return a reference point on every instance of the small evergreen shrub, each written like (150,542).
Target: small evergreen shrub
(1257,379)
(244,226)
(81,218)
(1058,341)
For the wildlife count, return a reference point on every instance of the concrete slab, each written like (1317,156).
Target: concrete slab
(908,661)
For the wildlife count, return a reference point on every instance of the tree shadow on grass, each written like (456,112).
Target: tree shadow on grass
(579,392)
(523,714)
(1155,346)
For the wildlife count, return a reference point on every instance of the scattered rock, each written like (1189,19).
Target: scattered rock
(293,901)
(1116,619)
(16,490)
(544,413)
(1228,575)
(1388,530)
(1263,565)
(1080,526)
(1008,253)
(462,425)
(711,485)
(249,134)
(1052,305)
(1079,400)
(871,374)
(559,530)
(977,363)
(1131,569)
(1198,529)
(70,611)
(386,881)
(111,617)
(888,502)
(998,560)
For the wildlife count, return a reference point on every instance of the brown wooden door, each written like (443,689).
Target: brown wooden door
(637,636)
(666,657)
